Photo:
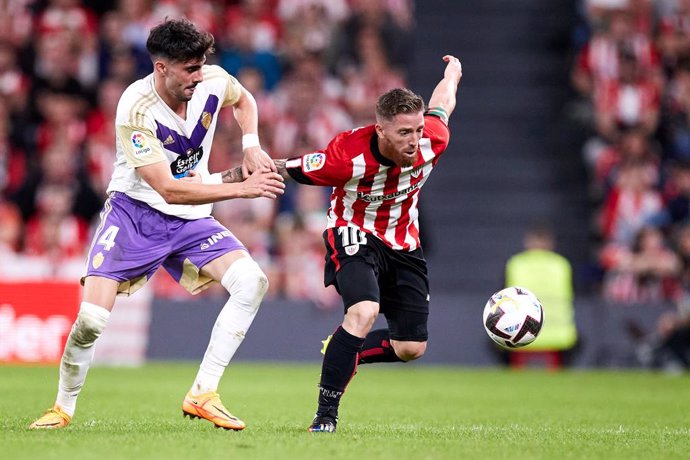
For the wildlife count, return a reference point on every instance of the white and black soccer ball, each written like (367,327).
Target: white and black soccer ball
(513,317)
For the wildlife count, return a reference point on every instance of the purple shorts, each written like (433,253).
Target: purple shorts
(133,240)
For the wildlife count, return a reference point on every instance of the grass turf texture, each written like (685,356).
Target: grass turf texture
(392,412)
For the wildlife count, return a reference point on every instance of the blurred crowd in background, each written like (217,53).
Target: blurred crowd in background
(315,68)
(632,73)
(632,77)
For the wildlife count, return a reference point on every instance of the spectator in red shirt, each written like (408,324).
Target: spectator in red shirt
(631,99)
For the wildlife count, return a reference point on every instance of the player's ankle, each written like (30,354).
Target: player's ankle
(327,411)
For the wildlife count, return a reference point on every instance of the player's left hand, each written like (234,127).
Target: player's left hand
(256,159)
(192,176)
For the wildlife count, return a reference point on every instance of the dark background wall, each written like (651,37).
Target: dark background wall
(291,331)
(513,157)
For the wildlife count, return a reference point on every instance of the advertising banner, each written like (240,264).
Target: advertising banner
(35,319)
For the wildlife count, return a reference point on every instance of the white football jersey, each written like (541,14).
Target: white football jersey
(148,131)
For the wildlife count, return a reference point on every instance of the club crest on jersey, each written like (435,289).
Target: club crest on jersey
(206,119)
(140,144)
(352,249)
(313,161)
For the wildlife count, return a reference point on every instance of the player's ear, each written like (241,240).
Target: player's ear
(379,129)
(160,67)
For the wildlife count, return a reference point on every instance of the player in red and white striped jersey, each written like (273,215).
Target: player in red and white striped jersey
(373,253)
(374,257)
(370,191)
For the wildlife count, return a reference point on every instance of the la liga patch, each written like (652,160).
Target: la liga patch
(139,143)
(313,162)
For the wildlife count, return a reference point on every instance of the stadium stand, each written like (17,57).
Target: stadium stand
(601,176)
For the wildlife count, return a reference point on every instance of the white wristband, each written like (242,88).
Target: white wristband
(250,140)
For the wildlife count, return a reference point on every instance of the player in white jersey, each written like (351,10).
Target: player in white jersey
(158,213)
(149,131)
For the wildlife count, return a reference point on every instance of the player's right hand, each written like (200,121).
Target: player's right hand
(454,67)
(263,183)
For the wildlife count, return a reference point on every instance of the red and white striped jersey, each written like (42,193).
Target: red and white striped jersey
(370,192)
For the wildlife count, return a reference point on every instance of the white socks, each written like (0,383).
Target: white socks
(78,354)
(247,285)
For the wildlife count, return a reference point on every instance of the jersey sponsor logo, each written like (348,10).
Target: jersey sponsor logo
(140,144)
(313,161)
(389,196)
(184,163)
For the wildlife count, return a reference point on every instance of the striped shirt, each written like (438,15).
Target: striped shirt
(370,192)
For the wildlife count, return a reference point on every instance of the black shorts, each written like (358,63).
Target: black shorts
(362,267)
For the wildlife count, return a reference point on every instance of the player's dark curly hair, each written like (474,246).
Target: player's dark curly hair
(399,100)
(179,40)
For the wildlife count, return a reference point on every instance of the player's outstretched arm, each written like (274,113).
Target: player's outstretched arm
(236,175)
(282,169)
(261,183)
(232,175)
(445,91)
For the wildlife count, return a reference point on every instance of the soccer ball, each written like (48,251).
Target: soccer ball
(513,317)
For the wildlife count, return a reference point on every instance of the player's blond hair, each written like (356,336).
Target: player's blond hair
(396,101)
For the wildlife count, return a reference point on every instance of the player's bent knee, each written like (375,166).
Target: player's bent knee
(89,325)
(246,283)
(360,317)
(409,351)
(366,315)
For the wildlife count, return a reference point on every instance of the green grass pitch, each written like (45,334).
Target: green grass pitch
(389,412)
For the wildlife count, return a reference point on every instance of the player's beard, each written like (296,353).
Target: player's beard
(405,161)
(183,96)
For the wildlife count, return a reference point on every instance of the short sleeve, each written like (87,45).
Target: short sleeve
(233,88)
(327,167)
(222,80)
(139,145)
(437,132)
(234,91)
